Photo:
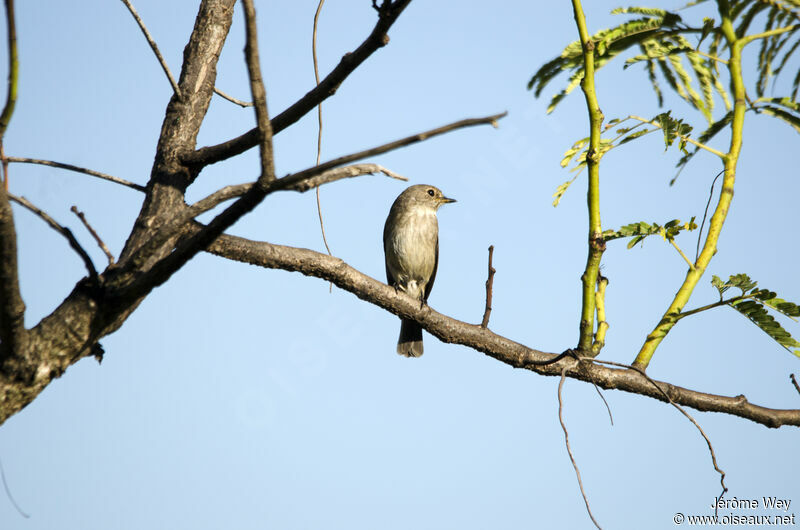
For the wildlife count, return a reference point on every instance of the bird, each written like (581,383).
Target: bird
(411,251)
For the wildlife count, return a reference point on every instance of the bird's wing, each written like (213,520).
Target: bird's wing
(389,278)
(429,286)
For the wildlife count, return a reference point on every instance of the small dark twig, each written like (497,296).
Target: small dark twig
(569,449)
(705,214)
(66,232)
(232,99)
(489,283)
(8,493)
(95,235)
(4,161)
(153,46)
(77,169)
(608,408)
(794,382)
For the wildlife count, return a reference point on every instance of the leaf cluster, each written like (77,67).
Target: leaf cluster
(639,231)
(753,304)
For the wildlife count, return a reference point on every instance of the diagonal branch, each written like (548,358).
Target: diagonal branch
(94,234)
(77,169)
(387,15)
(153,46)
(66,232)
(450,330)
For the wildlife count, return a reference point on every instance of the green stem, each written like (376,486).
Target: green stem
(596,242)
(673,313)
(13,70)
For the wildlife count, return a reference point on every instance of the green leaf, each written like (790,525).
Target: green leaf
(562,189)
(673,129)
(759,316)
(639,231)
(704,138)
(781,114)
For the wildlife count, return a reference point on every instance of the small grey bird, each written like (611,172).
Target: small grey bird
(411,248)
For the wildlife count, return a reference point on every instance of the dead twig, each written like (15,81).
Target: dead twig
(153,46)
(66,232)
(794,382)
(8,493)
(232,99)
(95,235)
(489,283)
(77,169)
(569,449)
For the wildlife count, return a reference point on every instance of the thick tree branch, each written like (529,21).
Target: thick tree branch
(12,308)
(450,330)
(77,169)
(387,15)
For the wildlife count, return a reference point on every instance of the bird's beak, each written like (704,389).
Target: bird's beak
(445,200)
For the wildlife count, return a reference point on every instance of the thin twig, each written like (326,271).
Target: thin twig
(685,258)
(489,283)
(705,214)
(77,169)
(319,131)
(4,162)
(608,408)
(683,136)
(152,44)
(682,411)
(569,449)
(232,99)
(319,123)
(259,94)
(66,232)
(8,493)
(95,235)
(794,382)
(289,180)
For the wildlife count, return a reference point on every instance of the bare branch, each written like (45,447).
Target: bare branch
(289,181)
(66,232)
(13,70)
(489,282)
(794,382)
(388,14)
(569,449)
(94,234)
(152,44)
(232,99)
(77,169)
(259,95)
(450,330)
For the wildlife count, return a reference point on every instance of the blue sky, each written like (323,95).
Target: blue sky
(238,397)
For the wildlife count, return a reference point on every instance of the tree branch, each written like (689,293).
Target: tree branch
(94,234)
(232,99)
(12,308)
(66,232)
(487,311)
(77,169)
(450,330)
(387,15)
(153,46)
(259,95)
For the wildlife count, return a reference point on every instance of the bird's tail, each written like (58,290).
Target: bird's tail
(410,342)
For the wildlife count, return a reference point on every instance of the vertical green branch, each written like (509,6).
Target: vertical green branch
(13,70)
(730,160)
(596,242)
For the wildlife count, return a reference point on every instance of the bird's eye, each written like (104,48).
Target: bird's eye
(430,192)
